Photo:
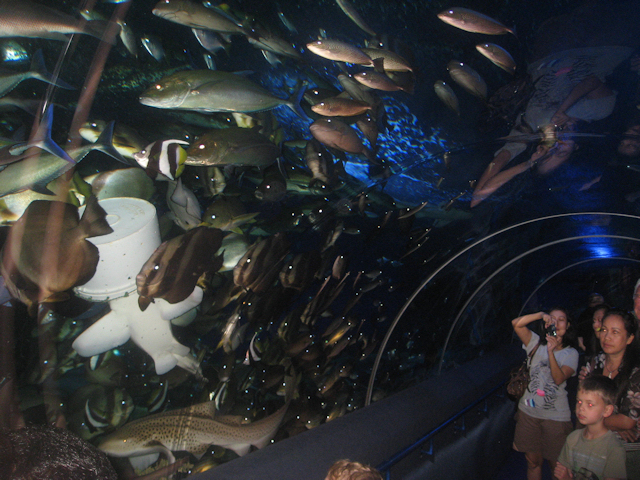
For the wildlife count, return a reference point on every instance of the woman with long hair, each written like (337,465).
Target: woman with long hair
(544,418)
(620,361)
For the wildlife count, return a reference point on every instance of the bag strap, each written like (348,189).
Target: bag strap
(531,354)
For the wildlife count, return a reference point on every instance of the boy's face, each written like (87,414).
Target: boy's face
(590,408)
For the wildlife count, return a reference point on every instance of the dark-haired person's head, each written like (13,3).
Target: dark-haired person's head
(629,145)
(48,453)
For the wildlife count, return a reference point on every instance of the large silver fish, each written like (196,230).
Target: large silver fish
(227,214)
(377,81)
(191,429)
(126,140)
(37,171)
(339,51)
(9,79)
(265,40)
(335,133)
(340,107)
(467,78)
(196,15)
(124,182)
(392,62)
(447,95)
(352,13)
(24,18)
(498,56)
(232,146)
(214,91)
(471,21)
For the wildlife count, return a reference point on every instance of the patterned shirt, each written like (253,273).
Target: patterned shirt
(629,404)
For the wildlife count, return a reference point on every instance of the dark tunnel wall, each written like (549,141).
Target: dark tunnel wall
(464,307)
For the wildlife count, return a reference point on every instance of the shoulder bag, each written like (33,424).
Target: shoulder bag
(519,377)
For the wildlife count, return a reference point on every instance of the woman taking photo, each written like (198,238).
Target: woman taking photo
(619,360)
(544,418)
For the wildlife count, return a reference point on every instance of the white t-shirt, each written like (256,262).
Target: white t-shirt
(543,398)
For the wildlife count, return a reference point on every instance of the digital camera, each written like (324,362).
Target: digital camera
(551,330)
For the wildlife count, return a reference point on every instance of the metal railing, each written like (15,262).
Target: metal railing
(385,467)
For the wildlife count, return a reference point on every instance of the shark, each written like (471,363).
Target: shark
(192,429)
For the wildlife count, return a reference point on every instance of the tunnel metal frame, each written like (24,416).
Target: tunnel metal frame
(439,269)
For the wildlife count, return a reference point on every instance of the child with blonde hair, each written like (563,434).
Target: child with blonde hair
(348,470)
(593,452)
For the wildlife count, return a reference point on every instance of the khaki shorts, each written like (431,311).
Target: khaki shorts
(536,435)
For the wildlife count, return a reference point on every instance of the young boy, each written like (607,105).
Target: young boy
(348,470)
(593,452)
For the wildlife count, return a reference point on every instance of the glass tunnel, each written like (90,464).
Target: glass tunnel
(228,216)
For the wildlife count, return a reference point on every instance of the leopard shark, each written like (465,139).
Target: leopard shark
(192,429)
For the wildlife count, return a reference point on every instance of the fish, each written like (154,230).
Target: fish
(355,89)
(10,79)
(232,146)
(472,21)
(348,8)
(108,408)
(234,246)
(128,38)
(259,267)
(125,140)
(340,107)
(27,105)
(196,15)
(185,208)
(285,21)
(209,61)
(192,429)
(123,182)
(40,263)
(299,272)
(498,56)
(163,157)
(447,95)
(320,162)
(377,81)
(41,138)
(467,78)
(274,185)
(126,34)
(214,91)
(265,40)
(391,61)
(210,180)
(272,58)
(339,51)
(335,133)
(232,333)
(153,45)
(35,172)
(209,40)
(227,214)
(25,18)
(176,265)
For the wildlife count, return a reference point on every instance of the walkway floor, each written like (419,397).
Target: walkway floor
(516,468)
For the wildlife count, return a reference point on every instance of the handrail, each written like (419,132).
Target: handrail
(385,467)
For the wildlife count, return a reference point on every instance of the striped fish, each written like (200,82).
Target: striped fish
(164,157)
